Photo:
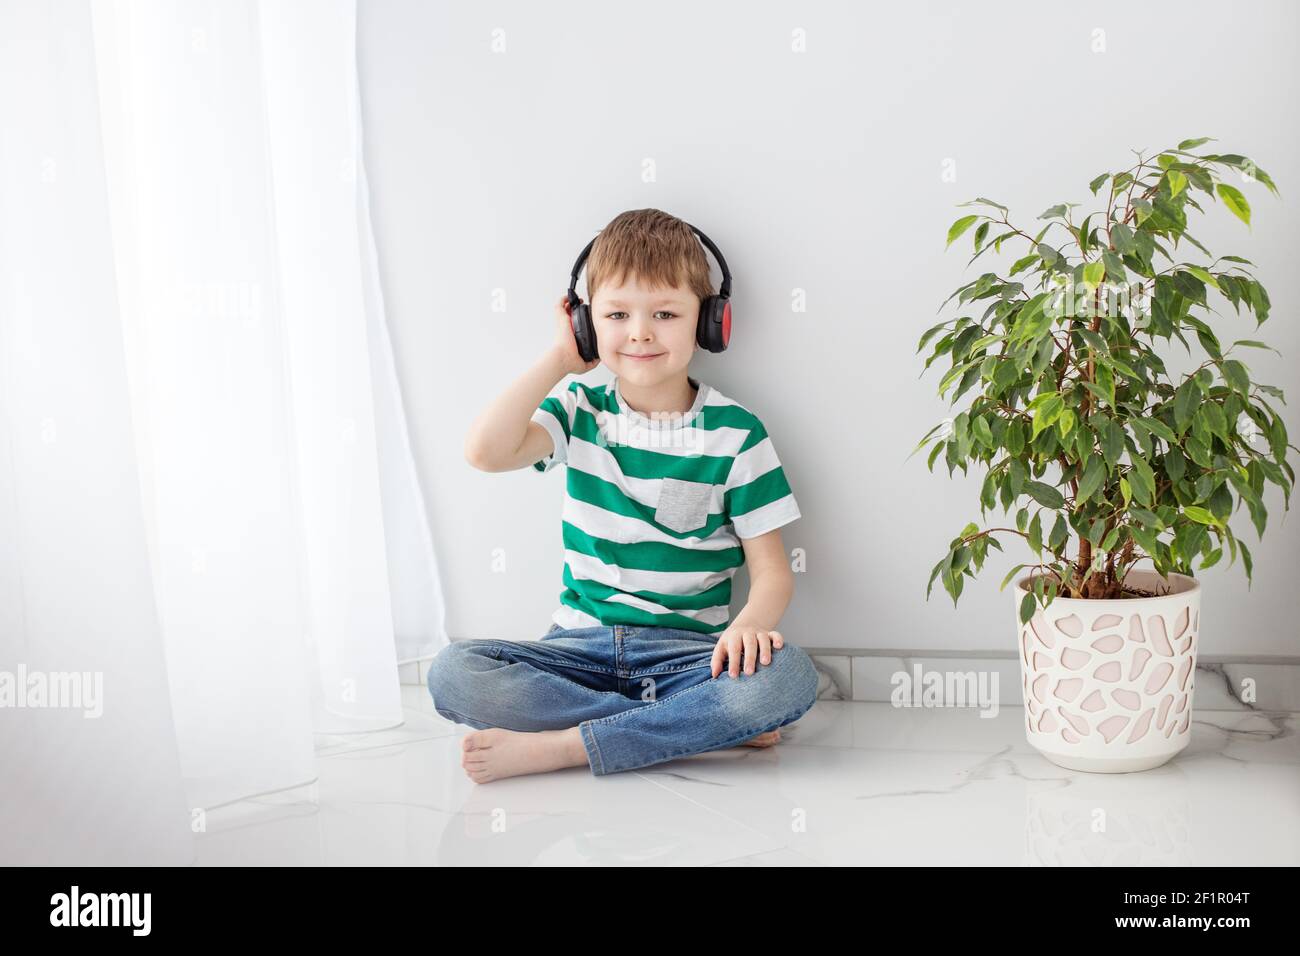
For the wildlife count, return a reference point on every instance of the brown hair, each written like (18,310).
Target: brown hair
(659,249)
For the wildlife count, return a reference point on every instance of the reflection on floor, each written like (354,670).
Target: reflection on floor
(851,783)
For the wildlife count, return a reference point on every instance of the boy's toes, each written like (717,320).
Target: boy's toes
(764,740)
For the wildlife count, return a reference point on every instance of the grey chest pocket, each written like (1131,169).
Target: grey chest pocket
(683,505)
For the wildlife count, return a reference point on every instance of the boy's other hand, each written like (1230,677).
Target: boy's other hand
(744,648)
(566,345)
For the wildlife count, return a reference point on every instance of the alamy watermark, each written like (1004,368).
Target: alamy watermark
(944,688)
(71,690)
(76,908)
(678,431)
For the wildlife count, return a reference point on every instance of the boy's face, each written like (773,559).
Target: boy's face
(632,319)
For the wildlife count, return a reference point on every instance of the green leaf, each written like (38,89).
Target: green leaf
(929,333)
(1047,413)
(1177,181)
(1235,201)
(1189,286)
(1145,538)
(1149,519)
(1215,419)
(1122,236)
(1114,268)
(1022,263)
(1204,276)
(1201,516)
(1175,465)
(1115,362)
(1144,482)
(1060,533)
(1258,299)
(1044,494)
(1027,607)
(1010,575)
(1065,423)
(1112,442)
(1015,437)
(981,201)
(1193,143)
(1093,273)
(1255,344)
(934,573)
(1083,234)
(1160,428)
(1235,374)
(1093,475)
(1186,399)
(960,226)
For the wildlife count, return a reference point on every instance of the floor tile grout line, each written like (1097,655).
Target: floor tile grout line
(423,738)
(453,731)
(725,816)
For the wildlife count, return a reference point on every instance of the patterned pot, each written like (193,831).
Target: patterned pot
(1108,684)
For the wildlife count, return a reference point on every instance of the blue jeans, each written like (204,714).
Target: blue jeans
(638,695)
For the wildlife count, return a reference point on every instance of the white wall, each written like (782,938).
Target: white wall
(819,171)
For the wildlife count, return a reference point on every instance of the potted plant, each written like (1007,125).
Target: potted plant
(1105,458)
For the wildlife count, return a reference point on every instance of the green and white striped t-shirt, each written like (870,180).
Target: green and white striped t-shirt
(654,508)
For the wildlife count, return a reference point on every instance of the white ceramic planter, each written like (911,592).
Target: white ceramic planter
(1108,684)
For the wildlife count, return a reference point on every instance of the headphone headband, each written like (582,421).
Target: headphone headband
(724,290)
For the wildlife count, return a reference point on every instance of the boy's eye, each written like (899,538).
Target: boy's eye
(664,312)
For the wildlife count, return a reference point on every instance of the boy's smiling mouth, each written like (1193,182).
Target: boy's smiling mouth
(643,357)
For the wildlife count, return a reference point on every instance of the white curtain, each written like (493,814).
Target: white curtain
(207,497)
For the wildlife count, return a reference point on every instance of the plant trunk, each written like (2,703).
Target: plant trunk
(1103,584)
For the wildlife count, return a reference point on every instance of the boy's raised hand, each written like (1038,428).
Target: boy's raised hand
(566,345)
(744,648)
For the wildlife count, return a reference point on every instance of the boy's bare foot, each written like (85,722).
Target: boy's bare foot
(768,739)
(496,753)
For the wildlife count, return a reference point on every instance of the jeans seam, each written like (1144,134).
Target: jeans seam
(791,716)
(589,733)
(747,735)
(668,669)
(663,700)
(546,659)
(462,718)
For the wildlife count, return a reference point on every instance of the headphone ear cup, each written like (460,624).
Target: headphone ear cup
(714,329)
(584,332)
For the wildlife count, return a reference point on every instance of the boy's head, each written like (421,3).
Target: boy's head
(646,276)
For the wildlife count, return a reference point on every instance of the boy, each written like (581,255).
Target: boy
(671,486)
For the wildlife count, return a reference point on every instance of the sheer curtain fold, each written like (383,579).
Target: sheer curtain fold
(251,555)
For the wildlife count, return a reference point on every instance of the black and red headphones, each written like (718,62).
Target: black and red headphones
(712,330)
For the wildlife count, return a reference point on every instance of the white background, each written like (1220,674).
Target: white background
(820,171)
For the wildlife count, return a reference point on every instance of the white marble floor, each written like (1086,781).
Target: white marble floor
(852,783)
